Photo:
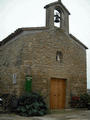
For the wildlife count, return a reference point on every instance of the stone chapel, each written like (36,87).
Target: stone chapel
(54,58)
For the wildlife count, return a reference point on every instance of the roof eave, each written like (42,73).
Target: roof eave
(11,36)
(19,31)
(78,41)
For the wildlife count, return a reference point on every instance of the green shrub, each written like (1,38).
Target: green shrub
(9,102)
(75,100)
(84,100)
(80,102)
(31,104)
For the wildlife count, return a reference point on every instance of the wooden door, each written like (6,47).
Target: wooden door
(57,93)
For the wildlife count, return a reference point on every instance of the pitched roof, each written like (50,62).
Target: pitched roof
(12,35)
(55,3)
(78,41)
(19,31)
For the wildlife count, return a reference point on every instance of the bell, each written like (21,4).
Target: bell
(57,19)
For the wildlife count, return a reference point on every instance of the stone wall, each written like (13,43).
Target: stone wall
(35,54)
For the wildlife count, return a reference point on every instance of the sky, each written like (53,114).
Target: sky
(31,13)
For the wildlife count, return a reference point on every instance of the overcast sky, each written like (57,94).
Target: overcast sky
(30,13)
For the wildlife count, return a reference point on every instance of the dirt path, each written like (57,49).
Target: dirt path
(62,115)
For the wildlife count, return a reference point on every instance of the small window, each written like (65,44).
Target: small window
(59,56)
